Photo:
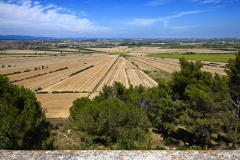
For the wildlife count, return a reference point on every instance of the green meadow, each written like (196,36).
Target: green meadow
(201,57)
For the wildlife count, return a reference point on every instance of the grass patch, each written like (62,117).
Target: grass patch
(200,57)
(158,75)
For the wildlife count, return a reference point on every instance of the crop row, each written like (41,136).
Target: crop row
(84,81)
(170,65)
(55,77)
(126,73)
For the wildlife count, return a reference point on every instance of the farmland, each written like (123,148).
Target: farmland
(58,80)
(57,105)
(170,65)
(126,73)
(201,57)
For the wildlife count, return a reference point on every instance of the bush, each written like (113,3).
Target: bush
(42,92)
(193,147)
(60,69)
(168,142)
(88,145)
(182,148)
(108,118)
(17,72)
(27,70)
(159,148)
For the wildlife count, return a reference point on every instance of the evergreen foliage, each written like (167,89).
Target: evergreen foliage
(109,118)
(23,121)
(233,72)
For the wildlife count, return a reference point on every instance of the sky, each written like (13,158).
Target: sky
(121,18)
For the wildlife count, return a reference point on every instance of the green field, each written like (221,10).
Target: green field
(200,57)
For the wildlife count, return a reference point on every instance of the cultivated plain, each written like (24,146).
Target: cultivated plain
(58,79)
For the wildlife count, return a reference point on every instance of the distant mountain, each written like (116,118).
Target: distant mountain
(27,38)
(22,37)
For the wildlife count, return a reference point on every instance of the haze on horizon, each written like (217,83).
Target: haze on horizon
(118,18)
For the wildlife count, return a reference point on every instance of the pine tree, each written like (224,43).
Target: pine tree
(23,121)
(233,72)
(204,101)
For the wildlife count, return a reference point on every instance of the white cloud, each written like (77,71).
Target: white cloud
(214,1)
(142,22)
(165,20)
(181,28)
(165,23)
(33,15)
(162,2)
(158,2)
(183,14)
(84,13)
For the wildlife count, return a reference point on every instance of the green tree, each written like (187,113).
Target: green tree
(162,110)
(233,72)
(190,73)
(23,121)
(201,117)
(205,98)
(114,91)
(108,118)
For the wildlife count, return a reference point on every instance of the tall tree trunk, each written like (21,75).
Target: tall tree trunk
(190,139)
(206,142)
(165,134)
(236,132)
(236,127)
(207,139)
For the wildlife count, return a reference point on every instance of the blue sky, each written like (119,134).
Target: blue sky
(121,18)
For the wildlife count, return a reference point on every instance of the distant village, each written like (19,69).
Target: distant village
(57,44)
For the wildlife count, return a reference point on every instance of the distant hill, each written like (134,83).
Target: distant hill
(27,38)
(22,37)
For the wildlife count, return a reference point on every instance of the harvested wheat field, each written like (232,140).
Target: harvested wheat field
(76,76)
(126,73)
(35,52)
(57,105)
(170,65)
(137,51)
(85,81)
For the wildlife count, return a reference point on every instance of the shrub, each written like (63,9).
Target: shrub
(42,92)
(182,148)
(159,148)
(193,147)
(27,70)
(168,142)
(108,118)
